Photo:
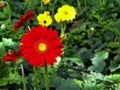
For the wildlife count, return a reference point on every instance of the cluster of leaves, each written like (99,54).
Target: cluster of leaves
(91,59)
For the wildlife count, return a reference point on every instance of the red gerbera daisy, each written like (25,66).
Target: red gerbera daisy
(17,25)
(22,18)
(29,15)
(41,45)
(10,56)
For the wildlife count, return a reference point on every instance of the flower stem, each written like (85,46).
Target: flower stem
(36,79)
(85,2)
(9,11)
(79,5)
(104,1)
(41,6)
(46,77)
(53,8)
(101,3)
(63,30)
(29,27)
(23,78)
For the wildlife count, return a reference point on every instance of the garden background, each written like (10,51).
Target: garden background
(91,54)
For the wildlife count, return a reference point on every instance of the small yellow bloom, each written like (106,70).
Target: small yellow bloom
(46,12)
(58,17)
(46,1)
(44,19)
(65,13)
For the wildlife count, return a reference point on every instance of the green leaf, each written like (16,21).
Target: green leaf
(2,49)
(74,59)
(102,55)
(4,72)
(7,42)
(114,64)
(109,36)
(115,78)
(1,45)
(98,61)
(78,82)
(3,82)
(2,15)
(55,81)
(14,78)
(98,67)
(96,75)
(113,44)
(5,10)
(112,69)
(68,85)
(94,3)
(85,54)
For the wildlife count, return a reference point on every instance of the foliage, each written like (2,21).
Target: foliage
(91,58)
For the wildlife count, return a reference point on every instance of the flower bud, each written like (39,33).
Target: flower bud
(1,4)
(3,26)
(92,28)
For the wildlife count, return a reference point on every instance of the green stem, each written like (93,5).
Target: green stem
(23,78)
(78,3)
(101,3)
(46,77)
(9,11)
(85,2)
(30,3)
(63,30)
(53,9)
(104,2)
(41,7)
(36,79)
(119,46)
(29,27)
(1,31)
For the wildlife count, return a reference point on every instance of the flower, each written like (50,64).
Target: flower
(10,56)
(45,1)
(65,13)
(17,25)
(22,18)
(28,16)
(1,4)
(40,46)
(44,19)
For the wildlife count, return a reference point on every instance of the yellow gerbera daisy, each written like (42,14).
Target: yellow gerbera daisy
(44,19)
(65,13)
(45,1)
(58,17)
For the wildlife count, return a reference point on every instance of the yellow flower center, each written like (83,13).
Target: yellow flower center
(42,47)
(65,12)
